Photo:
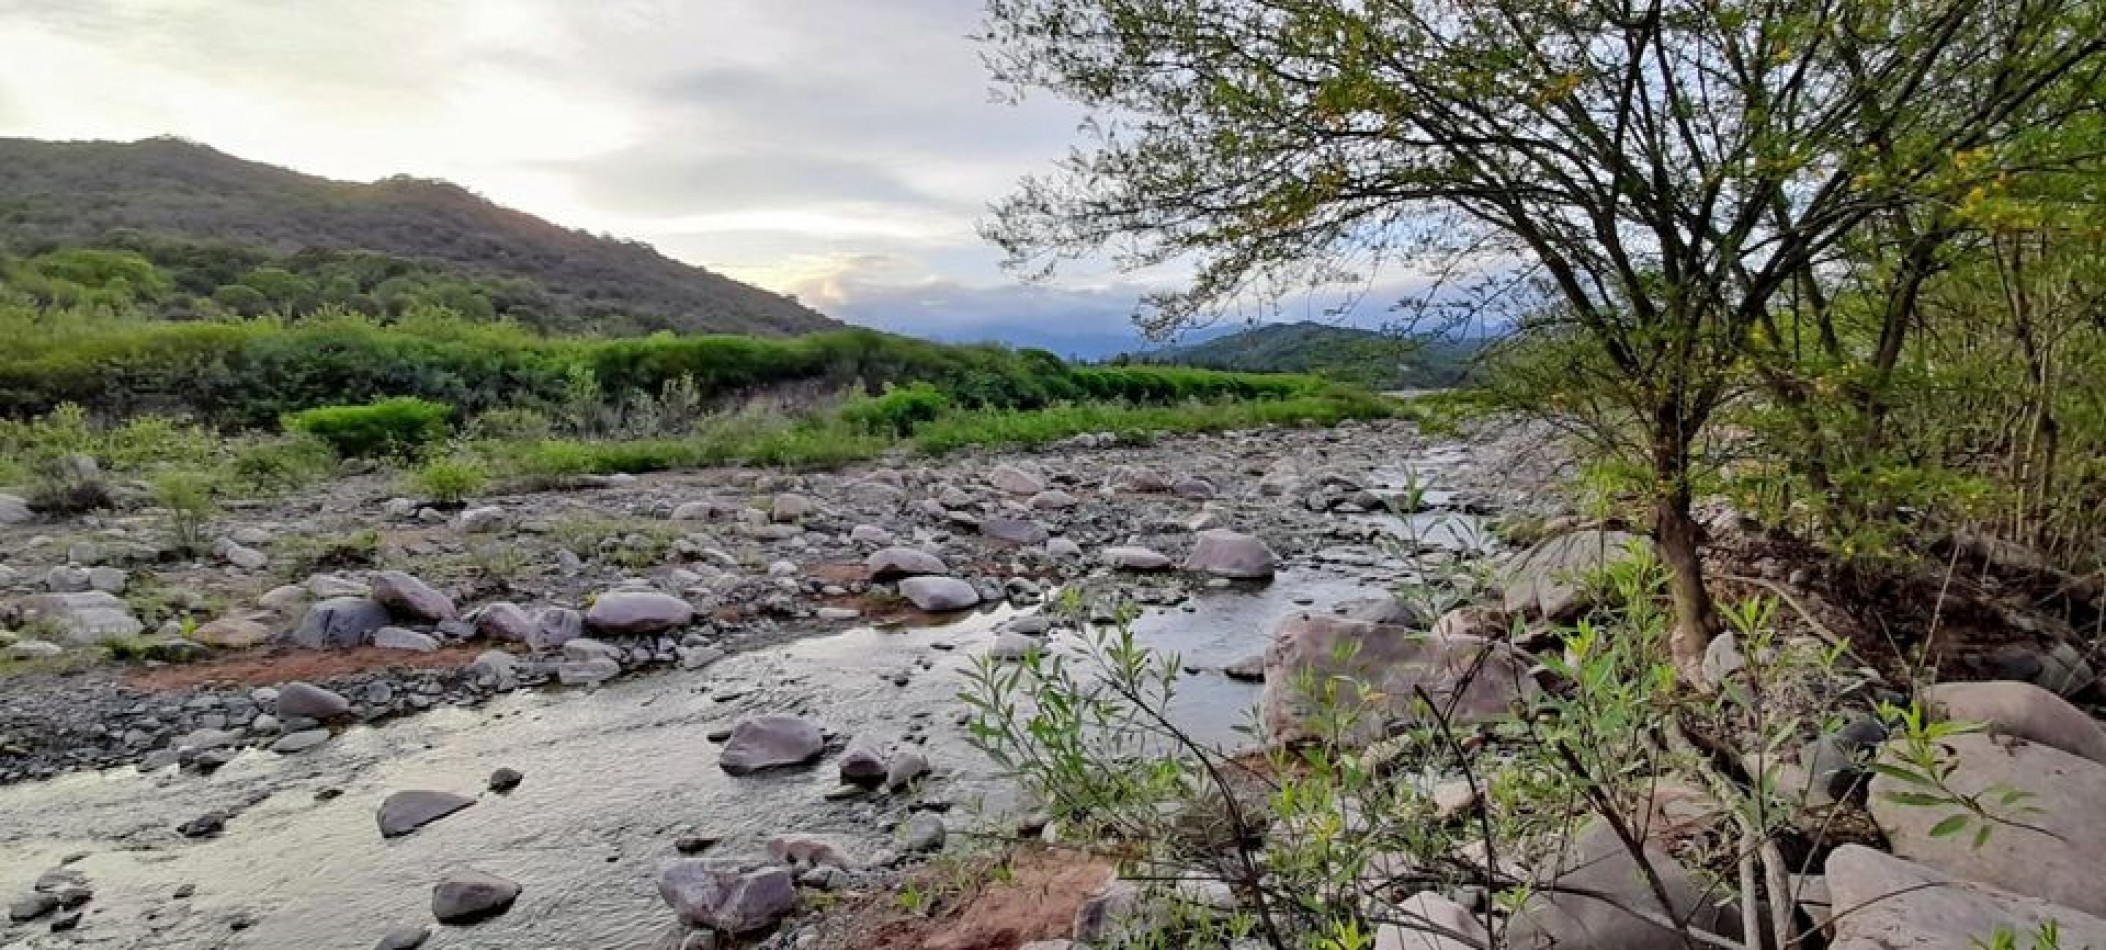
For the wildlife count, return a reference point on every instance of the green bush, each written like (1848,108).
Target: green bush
(400,426)
(450,481)
(281,464)
(898,412)
(188,497)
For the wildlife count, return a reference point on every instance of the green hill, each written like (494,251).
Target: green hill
(210,220)
(1366,357)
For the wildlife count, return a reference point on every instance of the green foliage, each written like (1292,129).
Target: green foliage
(188,497)
(1375,359)
(450,480)
(301,556)
(898,412)
(404,425)
(271,465)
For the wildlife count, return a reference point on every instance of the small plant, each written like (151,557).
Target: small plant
(510,425)
(69,485)
(127,649)
(404,425)
(188,497)
(450,481)
(898,412)
(1924,765)
(270,466)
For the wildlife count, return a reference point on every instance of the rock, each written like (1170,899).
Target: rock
(1225,553)
(1015,481)
(1116,915)
(301,741)
(923,834)
(404,938)
(587,672)
(554,627)
(837,614)
(1474,679)
(340,622)
(1052,500)
(906,768)
(1010,647)
(504,621)
(1597,862)
(1014,531)
(2067,806)
(484,520)
(32,906)
(232,633)
(870,534)
(768,742)
(504,780)
(244,557)
(66,579)
(1547,580)
(1722,658)
(890,564)
(1137,480)
(1250,669)
(939,594)
(789,507)
(2024,710)
(84,618)
(1137,559)
(207,825)
(1434,923)
(712,894)
(14,510)
(630,613)
(1062,549)
(310,701)
(406,596)
(797,851)
(407,811)
(397,638)
(1894,904)
(1489,623)
(467,896)
(109,580)
(862,765)
(2065,671)
(585,648)
(283,599)
(708,509)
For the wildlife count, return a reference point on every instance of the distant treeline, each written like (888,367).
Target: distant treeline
(246,373)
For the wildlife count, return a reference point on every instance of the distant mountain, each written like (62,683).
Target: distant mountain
(100,194)
(1371,358)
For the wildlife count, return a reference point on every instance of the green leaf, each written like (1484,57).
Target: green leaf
(1952,825)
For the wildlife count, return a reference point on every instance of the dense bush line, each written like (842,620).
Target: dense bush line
(249,373)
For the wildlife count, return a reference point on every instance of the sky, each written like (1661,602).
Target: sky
(840,150)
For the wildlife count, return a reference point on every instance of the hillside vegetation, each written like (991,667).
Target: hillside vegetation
(1365,357)
(230,235)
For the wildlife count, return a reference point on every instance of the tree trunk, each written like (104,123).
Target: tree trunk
(1676,534)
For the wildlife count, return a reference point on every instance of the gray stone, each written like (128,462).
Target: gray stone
(1137,559)
(907,767)
(467,896)
(504,621)
(862,765)
(1547,580)
(1230,554)
(1062,549)
(407,811)
(1011,647)
(1014,531)
(939,594)
(109,580)
(233,633)
(923,834)
(555,627)
(33,649)
(870,534)
(2050,850)
(630,613)
(396,638)
(84,618)
(14,510)
(504,780)
(708,509)
(889,564)
(340,622)
(1015,481)
(404,938)
(1471,678)
(406,596)
(243,556)
(300,741)
(1894,904)
(714,894)
(587,672)
(1570,916)
(1052,499)
(66,579)
(310,701)
(766,742)
(485,520)
(1433,922)
(789,507)
(2024,710)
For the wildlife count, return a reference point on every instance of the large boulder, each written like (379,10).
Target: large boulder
(406,596)
(467,896)
(1593,889)
(891,564)
(767,742)
(1225,553)
(340,623)
(721,895)
(1894,903)
(404,812)
(632,612)
(309,701)
(2023,710)
(1471,679)
(2048,844)
(85,618)
(1549,580)
(939,594)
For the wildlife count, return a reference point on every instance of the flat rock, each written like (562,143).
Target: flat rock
(939,594)
(309,701)
(404,938)
(407,811)
(2067,804)
(554,627)
(485,520)
(1548,580)
(1472,678)
(1230,554)
(1597,862)
(294,742)
(505,621)
(719,895)
(1015,481)
(14,510)
(84,618)
(2024,710)
(1895,904)
(587,672)
(1434,923)
(1052,499)
(862,765)
(1137,558)
(232,633)
(630,613)
(1014,530)
(907,767)
(467,896)
(893,563)
(397,638)
(766,742)
(340,623)
(1063,549)
(406,596)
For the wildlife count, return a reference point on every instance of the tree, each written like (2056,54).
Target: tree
(1663,171)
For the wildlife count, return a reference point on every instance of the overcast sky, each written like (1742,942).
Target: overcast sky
(836,149)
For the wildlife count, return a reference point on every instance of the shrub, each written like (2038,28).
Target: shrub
(69,485)
(188,498)
(400,426)
(898,412)
(450,481)
(510,425)
(282,464)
